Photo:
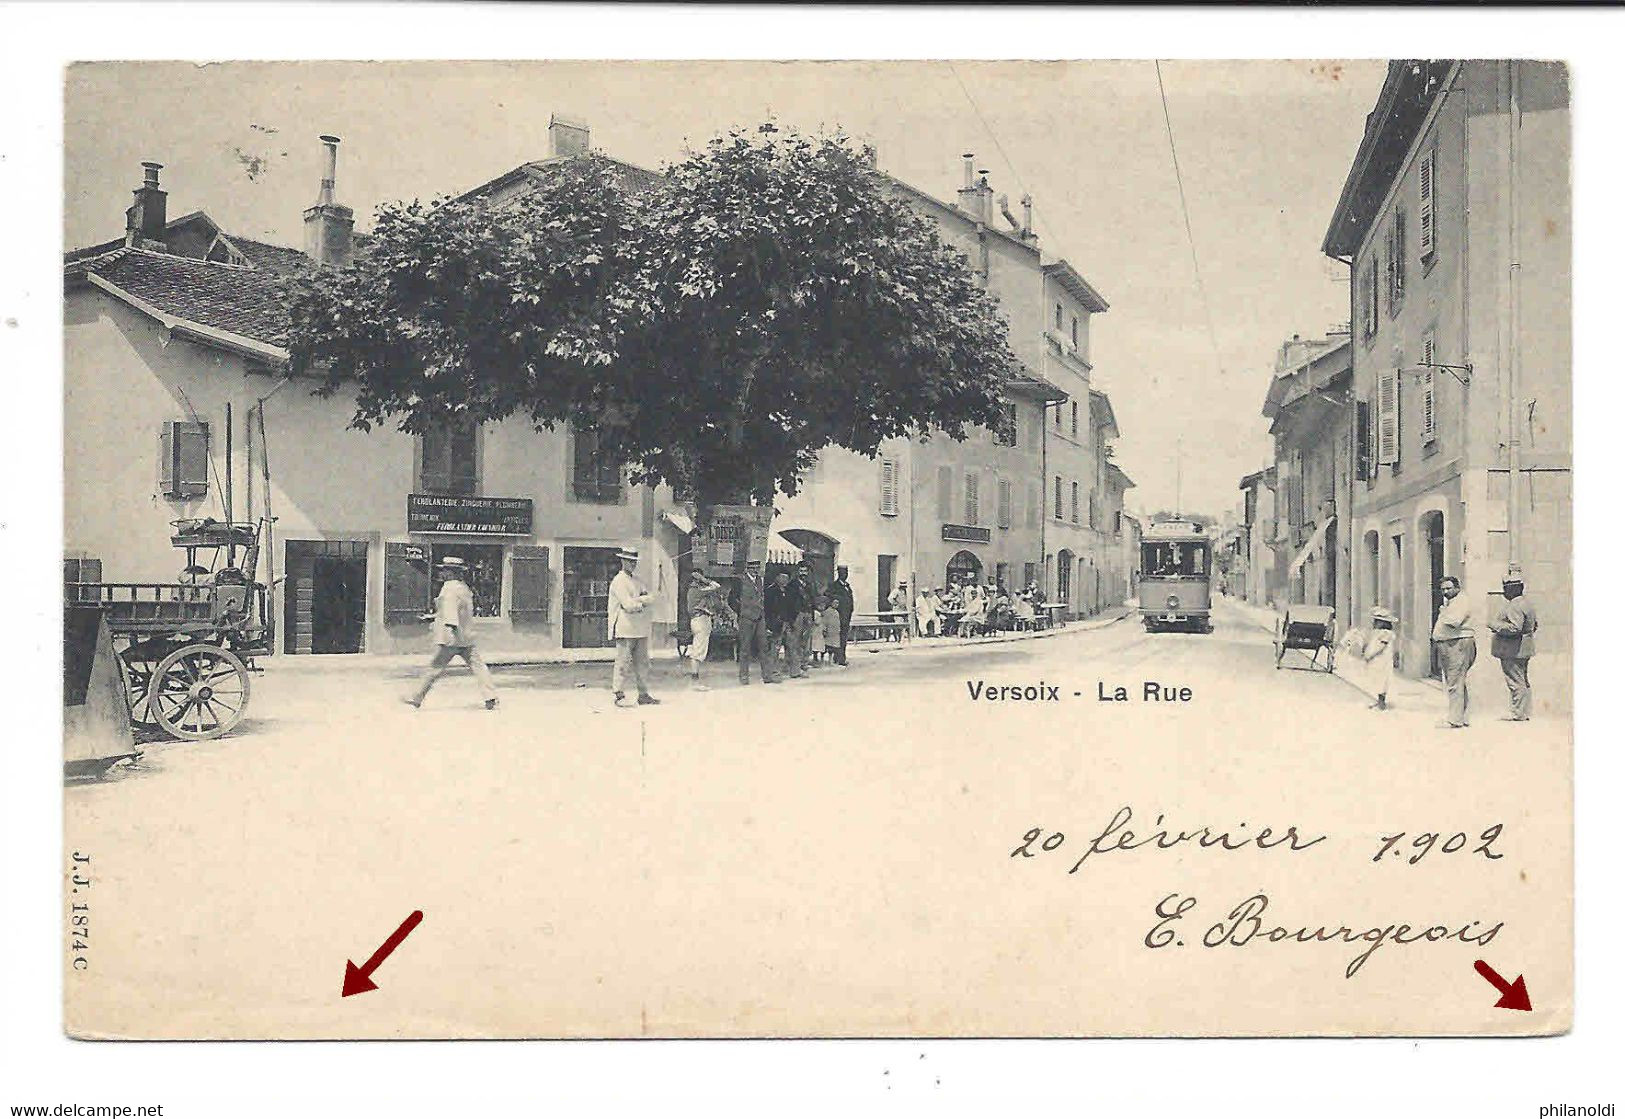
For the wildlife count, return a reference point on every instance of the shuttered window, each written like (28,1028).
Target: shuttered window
(406,582)
(1368,300)
(1074,419)
(888,487)
(1426,236)
(448,455)
(1074,503)
(1363,466)
(973,498)
(1057,497)
(1388,417)
(184,454)
(1430,415)
(1004,503)
(945,493)
(595,475)
(528,597)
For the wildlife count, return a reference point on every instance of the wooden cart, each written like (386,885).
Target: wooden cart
(1308,629)
(186,649)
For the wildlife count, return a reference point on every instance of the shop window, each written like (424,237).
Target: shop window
(595,475)
(484,575)
(528,597)
(448,460)
(184,453)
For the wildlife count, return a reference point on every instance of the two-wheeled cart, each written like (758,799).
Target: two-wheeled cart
(186,649)
(1308,629)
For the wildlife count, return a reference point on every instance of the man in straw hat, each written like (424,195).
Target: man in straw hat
(631,623)
(1514,627)
(454,634)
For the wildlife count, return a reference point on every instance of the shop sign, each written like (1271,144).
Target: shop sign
(478,516)
(968,534)
(737,535)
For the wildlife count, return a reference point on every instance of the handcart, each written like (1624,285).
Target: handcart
(1308,629)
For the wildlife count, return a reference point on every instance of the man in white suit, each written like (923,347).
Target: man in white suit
(631,623)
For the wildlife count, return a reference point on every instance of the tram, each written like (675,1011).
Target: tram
(1176,573)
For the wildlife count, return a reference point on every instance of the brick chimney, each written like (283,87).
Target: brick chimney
(568,136)
(146,218)
(329,227)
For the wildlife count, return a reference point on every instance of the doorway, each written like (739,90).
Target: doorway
(818,550)
(1433,537)
(587,572)
(1063,577)
(964,568)
(885,581)
(325,601)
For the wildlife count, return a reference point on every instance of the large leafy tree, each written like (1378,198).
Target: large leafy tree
(767,296)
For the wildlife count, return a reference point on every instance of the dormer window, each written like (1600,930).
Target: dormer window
(224,252)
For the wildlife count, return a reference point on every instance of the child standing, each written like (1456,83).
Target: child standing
(816,643)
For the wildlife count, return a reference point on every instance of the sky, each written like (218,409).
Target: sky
(1262,146)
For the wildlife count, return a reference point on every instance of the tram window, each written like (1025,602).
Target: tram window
(1171,558)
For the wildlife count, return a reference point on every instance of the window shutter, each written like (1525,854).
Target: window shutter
(185,451)
(406,582)
(1074,503)
(1397,296)
(1430,424)
(945,493)
(1388,417)
(1004,503)
(1424,217)
(530,584)
(888,487)
(1074,419)
(1057,497)
(973,498)
(1362,441)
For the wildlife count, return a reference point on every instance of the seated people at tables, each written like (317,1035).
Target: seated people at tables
(975,619)
(925,613)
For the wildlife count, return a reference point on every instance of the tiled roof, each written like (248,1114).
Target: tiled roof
(243,301)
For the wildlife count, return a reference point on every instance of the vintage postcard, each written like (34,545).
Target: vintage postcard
(810,549)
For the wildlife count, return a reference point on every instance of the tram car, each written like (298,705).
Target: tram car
(1176,577)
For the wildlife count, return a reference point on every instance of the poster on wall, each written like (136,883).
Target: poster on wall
(737,536)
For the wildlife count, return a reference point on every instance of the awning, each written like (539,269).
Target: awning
(678,520)
(1316,539)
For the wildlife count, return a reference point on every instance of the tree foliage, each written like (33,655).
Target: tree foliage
(768,295)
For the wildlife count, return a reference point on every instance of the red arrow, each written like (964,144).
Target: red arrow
(359,979)
(1514,995)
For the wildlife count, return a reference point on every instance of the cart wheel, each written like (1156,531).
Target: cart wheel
(199,692)
(138,670)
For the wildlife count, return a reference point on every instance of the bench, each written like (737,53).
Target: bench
(877,627)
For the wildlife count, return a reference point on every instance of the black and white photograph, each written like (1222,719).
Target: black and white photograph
(907,550)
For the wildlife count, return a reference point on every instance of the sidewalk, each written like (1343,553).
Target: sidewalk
(324,663)
(1404,692)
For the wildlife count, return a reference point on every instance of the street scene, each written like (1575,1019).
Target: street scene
(818,566)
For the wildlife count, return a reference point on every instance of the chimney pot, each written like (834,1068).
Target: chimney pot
(147,218)
(329,227)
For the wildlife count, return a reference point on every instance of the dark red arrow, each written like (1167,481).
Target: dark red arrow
(1514,995)
(359,979)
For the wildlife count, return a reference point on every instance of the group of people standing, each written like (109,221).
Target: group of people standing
(1455,641)
(786,626)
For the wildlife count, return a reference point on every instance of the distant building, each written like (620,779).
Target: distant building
(1310,410)
(1454,221)
(1259,531)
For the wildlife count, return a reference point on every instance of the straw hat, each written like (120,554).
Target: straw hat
(627,553)
(1383,614)
(454,563)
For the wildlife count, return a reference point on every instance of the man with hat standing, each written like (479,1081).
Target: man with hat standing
(631,623)
(753,639)
(454,634)
(1514,627)
(840,594)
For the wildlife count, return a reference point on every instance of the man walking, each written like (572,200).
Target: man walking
(1457,647)
(454,634)
(1514,627)
(783,607)
(631,623)
(705,605)
(753,639)
(840,594)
